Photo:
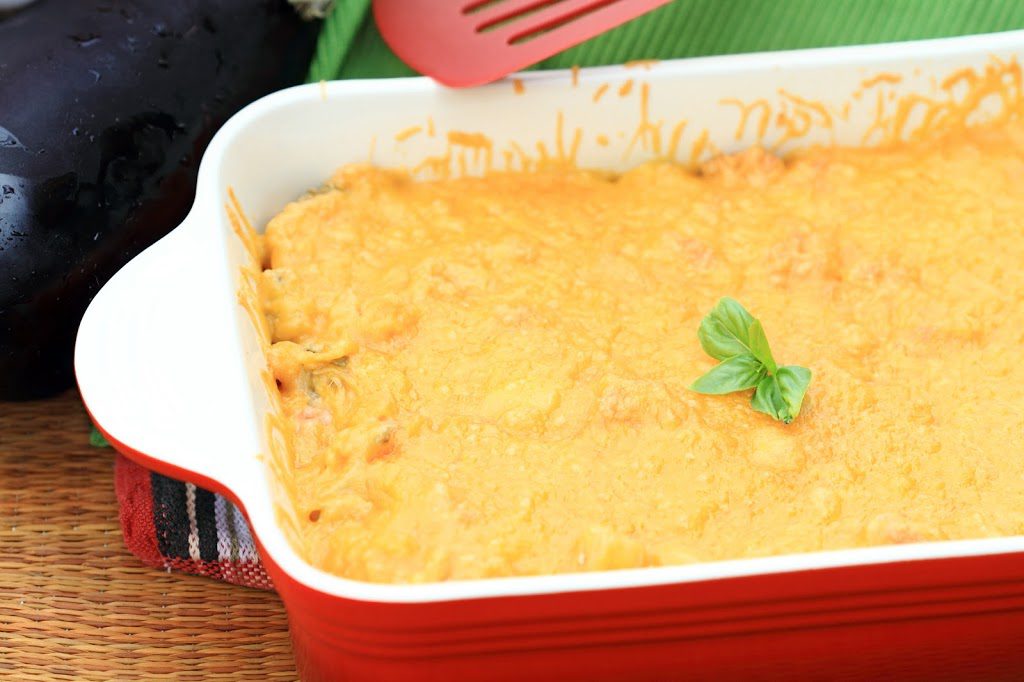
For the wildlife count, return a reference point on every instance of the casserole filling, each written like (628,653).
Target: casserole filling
(489,376)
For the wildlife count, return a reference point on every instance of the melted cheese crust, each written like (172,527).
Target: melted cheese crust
(488,377)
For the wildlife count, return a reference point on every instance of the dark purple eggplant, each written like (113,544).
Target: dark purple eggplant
(105,109)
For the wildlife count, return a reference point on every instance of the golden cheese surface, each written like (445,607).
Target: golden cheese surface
(488,376)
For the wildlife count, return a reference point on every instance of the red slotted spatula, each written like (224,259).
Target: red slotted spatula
(470,42)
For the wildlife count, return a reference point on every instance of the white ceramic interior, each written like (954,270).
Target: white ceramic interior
(167,360)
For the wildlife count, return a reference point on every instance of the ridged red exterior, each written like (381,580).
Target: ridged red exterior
(955,619)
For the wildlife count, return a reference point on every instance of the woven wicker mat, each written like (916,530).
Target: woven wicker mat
(75,605)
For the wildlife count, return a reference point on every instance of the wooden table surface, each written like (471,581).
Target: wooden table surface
(76,605)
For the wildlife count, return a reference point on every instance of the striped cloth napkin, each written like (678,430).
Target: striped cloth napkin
(177,526)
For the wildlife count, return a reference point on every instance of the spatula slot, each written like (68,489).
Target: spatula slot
(510,11)
(556,22)
(479,6)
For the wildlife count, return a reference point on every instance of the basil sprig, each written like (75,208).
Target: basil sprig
(730,334)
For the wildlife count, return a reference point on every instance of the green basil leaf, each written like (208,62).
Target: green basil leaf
(768,398)
(725,332)
(730,334)
(792,381)
(782,395)
(97,440)
(759,346)
(738,373)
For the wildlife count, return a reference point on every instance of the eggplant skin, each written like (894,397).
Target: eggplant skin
(105,109)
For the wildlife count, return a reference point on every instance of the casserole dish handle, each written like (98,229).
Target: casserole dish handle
(160,371)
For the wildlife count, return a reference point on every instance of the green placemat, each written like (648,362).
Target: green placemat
(351,47)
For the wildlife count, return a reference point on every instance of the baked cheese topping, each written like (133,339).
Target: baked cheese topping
(488,376)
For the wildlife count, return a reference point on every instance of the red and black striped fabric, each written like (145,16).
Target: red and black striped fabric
(178,526)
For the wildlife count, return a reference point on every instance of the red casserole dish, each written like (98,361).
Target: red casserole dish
(198,411)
